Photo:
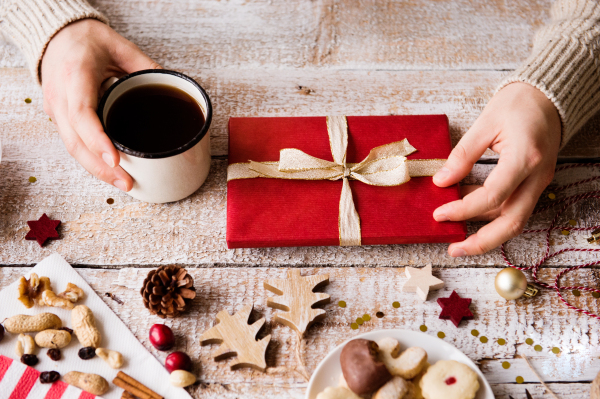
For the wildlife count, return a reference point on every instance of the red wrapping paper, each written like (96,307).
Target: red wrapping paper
(263,212)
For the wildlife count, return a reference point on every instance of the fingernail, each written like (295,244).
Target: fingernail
(440,216)
(458,252)
(120,184)
(441,175)
(108,159)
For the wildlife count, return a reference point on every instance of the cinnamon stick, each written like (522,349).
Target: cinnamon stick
(127,395)
(134,387)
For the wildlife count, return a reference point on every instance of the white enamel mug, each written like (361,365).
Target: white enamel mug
(167,176)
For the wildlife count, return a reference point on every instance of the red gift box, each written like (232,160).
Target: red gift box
(269,212)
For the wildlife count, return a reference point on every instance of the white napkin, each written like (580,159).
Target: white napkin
(139,363)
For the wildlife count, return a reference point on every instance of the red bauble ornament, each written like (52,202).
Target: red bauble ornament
(161,337)
(43,230)
(178,361)
(455,308)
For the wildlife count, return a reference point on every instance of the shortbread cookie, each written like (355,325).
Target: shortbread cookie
(414,391)
(406,364)
(449,379)
(337,393)
(396,388)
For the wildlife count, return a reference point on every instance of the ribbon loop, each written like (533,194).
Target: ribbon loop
(385,165)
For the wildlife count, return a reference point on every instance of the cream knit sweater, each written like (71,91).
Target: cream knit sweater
(564,64)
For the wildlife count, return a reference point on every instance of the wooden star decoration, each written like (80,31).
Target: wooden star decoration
(455,308)
(298,299)
(43,230)
(421,281)
(238,338)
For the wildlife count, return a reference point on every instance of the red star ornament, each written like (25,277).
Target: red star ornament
(455,308)
(43,229)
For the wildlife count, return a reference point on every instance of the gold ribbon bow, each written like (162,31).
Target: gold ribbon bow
(385,165)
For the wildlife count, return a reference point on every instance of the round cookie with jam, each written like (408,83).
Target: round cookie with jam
(449,379)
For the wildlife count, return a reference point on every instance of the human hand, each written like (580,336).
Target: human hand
(523,126)
(78,59)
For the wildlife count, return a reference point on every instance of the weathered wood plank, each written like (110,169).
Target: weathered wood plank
(192,231)
(366,290)
(27,133)
(366,34)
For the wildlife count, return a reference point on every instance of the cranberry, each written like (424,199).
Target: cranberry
(54,354)
(87,353)
(178,361)
(161,337)
(30,360)
(450,381)
(48,377)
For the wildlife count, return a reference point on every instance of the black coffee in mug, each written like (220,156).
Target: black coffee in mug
(154,118)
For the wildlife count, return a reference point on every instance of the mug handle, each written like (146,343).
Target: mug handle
(106,85)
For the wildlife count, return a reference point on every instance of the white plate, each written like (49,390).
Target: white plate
(329,370)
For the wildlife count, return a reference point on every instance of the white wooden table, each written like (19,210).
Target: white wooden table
(305,57)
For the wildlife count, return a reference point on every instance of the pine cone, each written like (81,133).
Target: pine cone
(167,291)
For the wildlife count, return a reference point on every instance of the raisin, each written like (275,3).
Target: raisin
(48,377)
(87,353)
(30,360)
(67,329)
(1,332)
(54,354)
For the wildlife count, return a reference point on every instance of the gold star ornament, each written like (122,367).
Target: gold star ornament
(421,281)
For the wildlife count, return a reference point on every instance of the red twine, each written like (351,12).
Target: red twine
(567,201)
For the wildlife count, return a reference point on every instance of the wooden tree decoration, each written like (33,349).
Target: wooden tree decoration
(298,299)
(238,338)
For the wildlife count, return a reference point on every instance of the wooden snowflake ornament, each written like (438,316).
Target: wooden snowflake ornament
(238,338)
(421,281)
(297,299)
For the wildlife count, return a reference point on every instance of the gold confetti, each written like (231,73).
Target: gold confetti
(573,222)
(565,232)
(423,328)
(354,326)
(551,196)
(576,292)
(505,365)
(50,119)
(396,304)
(520,380)
(32,179)
(483,339)
(441,335)
(28,100)
(596,294)
(110,201)
(538,348)
(501,341)
(379,315)
(366,317)
(529,341)
(475,333)
(555,350)
(342,304)
(359,321)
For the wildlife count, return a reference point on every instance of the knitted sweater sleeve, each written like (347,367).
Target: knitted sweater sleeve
(32,23)
(565,63)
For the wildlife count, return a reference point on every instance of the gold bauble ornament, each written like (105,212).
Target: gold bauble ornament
(511,283)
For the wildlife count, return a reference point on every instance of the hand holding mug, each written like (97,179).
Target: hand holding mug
(78,59)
